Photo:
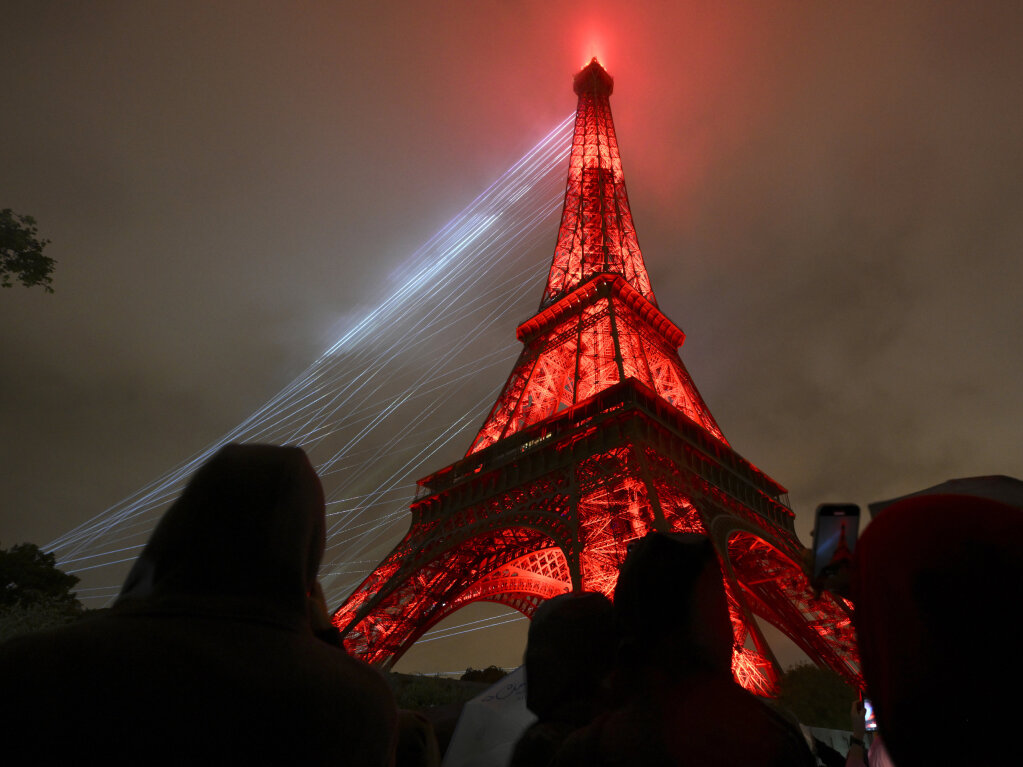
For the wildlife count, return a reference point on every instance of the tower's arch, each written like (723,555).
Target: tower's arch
(517,566)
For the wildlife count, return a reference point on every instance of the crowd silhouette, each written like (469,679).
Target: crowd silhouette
(219,649)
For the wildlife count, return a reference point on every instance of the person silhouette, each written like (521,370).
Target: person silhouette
(678,703)
(935,579)
(569,654)
(209,653)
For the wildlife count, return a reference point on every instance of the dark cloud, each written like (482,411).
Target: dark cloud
(827,197)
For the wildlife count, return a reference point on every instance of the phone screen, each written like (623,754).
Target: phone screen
(868,716)
(834,538)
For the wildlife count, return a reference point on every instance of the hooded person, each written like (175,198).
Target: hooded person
(934,581)
(569,654)
(678,702)
(209,653)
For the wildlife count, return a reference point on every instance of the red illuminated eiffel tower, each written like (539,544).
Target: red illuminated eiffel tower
(598,437)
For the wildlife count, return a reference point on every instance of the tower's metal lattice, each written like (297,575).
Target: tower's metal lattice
(598,437)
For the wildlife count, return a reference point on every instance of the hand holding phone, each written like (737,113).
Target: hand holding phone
(857,718)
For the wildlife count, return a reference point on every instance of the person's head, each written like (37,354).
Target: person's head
(250,524)
(936,582)
(569,650)
(417,742)
(670,603)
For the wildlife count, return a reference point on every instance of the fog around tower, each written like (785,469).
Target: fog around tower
(827,199)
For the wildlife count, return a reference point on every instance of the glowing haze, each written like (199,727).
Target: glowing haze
(827,198)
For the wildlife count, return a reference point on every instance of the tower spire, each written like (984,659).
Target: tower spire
(598,323)
(596,235)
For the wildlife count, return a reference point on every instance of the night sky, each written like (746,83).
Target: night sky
(829,199)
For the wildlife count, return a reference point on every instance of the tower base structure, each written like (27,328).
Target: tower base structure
(554,508)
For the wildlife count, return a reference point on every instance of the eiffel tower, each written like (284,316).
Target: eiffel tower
(598,437)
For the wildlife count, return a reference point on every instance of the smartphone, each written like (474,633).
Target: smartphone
(835,530)
(869,719)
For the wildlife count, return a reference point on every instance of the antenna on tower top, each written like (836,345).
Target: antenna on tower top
(593,78)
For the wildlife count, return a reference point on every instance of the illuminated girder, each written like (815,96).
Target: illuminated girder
(600,334)
(598,437)
(596,235)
